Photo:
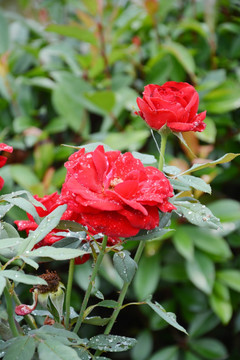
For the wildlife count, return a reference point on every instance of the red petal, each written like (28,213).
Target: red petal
(4,147)
(1,183)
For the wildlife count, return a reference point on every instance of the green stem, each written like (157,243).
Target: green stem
(90,285)
(123,291)
(69,290)
(10,312)
(164,137)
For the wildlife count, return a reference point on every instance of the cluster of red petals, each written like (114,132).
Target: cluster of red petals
(50,202)
(174,104)
(3,159)
(114,193)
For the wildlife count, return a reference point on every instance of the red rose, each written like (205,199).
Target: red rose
(3,159)
(114,193)
(174,104)
(51,202)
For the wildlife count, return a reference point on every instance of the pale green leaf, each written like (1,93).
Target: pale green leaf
(224,159)
(55,253)
(22,348)
(74,31)
(20,277)
(125,265)
(170,318)
(201,272)
(111,343)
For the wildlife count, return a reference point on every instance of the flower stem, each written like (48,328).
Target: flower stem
(123,291)
(10,311)
(164,137)
(69,291)
(90,285)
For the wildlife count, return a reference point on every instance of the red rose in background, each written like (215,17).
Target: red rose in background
(114,193)
(174,104)
(3,159)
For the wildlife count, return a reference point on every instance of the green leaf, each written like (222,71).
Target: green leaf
(43,157)
(69,109)
(184,242)
(60,332)
(70,225)
(9,242)
(145,158)
(51,348)
(82,274)
(30,262)
(201,272)
(197,214)
(105,100)
(56,253)
(222,160)
(191,356)
(96,321)
(178,185)
(4,34)
(108,303)
(221,307)
(76,32)
(22,123)
(26,206)
(202,323)
(22,348)
(24,176)
(147,276)
(131,140)
(20,277)
(46,225)
(212,244)
(56,301)
(206,241)
(168,353)
(4,209)
(223,99)
(227,210)
(172,170)
(109,273)
(170,318)
(196,183)
(209,348)
(230,277)
(143,348)
(155,234)
(7,229)
(182,54)
(193,25)
(111,343)
(2,284)
(125,265)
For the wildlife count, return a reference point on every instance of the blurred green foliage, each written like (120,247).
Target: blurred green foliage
(70,73)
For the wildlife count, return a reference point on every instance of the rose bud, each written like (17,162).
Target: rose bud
(174,104)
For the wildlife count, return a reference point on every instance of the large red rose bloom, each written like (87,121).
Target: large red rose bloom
(174,104)
(114,193)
